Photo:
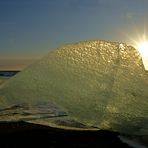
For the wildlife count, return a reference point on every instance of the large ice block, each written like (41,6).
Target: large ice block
(98,83)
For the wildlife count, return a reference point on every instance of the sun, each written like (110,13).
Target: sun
(140,43)
(143,48)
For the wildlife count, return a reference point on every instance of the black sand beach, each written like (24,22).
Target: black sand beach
(22,134)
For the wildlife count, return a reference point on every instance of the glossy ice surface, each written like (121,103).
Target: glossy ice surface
(97,83)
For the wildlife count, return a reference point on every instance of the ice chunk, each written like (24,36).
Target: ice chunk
(102,84)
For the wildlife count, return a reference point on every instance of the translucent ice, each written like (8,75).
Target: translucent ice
(99,83)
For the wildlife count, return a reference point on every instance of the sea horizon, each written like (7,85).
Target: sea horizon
(15,64)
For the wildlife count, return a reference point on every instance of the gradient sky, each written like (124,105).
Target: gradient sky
(31,28)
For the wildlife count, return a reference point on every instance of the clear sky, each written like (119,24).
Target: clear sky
(31,28)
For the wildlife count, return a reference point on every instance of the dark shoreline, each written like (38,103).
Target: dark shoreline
(21,134)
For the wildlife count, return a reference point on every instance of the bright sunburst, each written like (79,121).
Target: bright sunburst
(139,40)
(141,45)
(143,48)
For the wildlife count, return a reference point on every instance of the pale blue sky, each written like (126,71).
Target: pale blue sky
(31,28)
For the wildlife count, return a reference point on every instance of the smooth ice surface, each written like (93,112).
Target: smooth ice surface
(98,83)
